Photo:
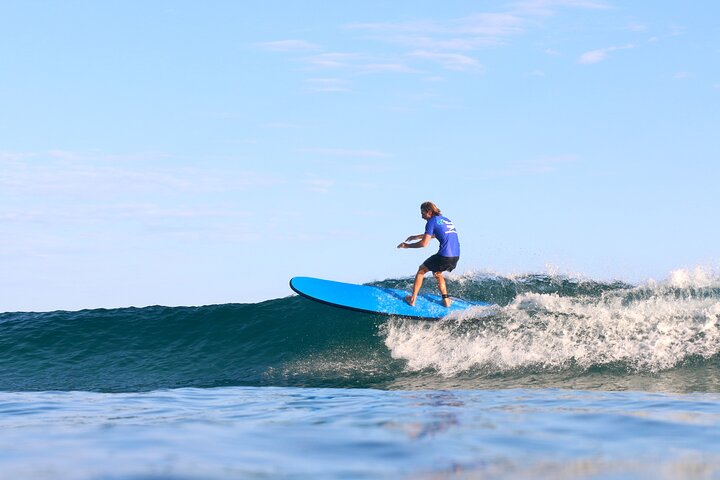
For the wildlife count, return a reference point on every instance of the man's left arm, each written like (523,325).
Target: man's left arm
(422,243)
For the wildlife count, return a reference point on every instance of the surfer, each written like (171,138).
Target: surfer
(447,257)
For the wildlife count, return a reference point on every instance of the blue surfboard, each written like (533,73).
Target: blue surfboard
(370,299)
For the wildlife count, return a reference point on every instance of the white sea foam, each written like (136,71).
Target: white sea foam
(651,327)
(698,277)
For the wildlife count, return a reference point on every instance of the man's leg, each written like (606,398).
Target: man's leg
(419,276)
(443,288)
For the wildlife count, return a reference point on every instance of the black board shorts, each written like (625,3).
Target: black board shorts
(438,263)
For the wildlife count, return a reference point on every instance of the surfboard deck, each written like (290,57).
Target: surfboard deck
(371,299)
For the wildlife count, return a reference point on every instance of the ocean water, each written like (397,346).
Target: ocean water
(564,378)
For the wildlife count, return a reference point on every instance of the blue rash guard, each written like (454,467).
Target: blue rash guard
(443,229)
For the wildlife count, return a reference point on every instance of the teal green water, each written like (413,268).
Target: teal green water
(546,332)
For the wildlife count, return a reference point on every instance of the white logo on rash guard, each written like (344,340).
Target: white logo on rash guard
(449,226)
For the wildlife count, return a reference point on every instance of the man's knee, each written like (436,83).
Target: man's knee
(438,275)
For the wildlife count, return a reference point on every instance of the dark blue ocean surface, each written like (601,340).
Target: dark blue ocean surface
(563,378)
(273,432)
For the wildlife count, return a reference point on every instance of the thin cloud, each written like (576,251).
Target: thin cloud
(472,32)
(594,56)
(677,30)
(490,24)
(356,63)
(332,60)
(65,155)
(82,175)
(549,7)
(319,185)
(539,166)
(461,34)
(386,68)
(52,190)
(450,61)
(479,24)
(15,156)
(340,152)
(328,85)
(75,213)
(402,27)
(597,56)
(447,43)
(287,46)
(548,164)
(280,125)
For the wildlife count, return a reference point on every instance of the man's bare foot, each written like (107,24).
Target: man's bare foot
(409,300)
(447,302)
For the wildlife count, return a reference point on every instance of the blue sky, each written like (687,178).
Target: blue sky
(188,153)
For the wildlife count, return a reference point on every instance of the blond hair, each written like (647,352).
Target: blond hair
(430,207)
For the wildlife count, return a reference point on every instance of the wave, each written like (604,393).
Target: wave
(548,330)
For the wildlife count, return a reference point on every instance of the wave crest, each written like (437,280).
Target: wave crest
(647,328)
